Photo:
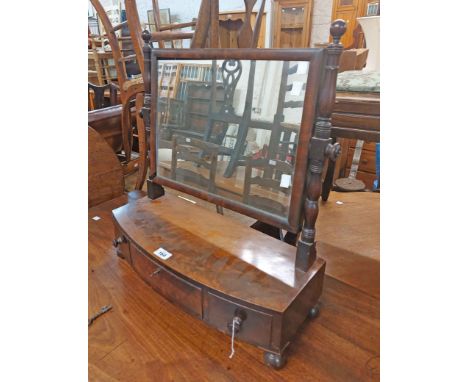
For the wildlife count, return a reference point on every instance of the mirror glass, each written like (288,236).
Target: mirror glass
(231,127)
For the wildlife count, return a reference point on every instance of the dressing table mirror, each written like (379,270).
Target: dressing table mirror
(234,135)
(247,130)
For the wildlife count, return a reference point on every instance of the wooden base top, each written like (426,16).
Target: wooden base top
(216,251)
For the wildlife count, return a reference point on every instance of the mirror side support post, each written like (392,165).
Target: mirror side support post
(150,79)
(320,146)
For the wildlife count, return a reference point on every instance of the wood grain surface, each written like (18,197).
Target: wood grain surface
(146,338)
(207,247)
(105,175)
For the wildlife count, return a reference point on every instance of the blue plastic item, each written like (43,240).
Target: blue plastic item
(377,167)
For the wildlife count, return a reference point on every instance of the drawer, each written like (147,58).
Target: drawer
(357,121)
(166,283)
(255,327)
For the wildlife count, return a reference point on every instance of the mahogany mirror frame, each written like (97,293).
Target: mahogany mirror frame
(316,59)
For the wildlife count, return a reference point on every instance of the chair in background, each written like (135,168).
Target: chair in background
(189,150)
(282,141)
(269,183)
(105,175)
(102,69)
(94,63)
(201,155)
(356,115)
(354,56)
(102,96)
(131,87)
(174,27)
(238,32)
(128,87)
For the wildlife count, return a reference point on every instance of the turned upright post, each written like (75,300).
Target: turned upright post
(320,147)
(149,113)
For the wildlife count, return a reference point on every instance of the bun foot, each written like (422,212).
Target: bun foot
(314,312)
(276,361)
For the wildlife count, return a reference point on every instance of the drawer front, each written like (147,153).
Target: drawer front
(255,327)
(172,287)
(358,121)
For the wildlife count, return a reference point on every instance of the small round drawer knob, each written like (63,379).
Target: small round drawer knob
(118,241)
(238,319)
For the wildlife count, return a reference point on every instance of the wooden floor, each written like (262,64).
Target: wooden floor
(146,338)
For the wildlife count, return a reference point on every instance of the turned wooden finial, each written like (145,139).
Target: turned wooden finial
(337,29)
(146,36)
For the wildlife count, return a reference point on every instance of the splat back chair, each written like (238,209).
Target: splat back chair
(246,36)
(131,89)
(208,26)
(128,87)
(267,181)
(95,74)
(188,150)
(207,105)
(354,56)
(195,112)
(206,34)
(163,34)
(231,70)
(280,139)
(281,142)
(175,27)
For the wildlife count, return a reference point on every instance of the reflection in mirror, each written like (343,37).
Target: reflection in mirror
(231,127)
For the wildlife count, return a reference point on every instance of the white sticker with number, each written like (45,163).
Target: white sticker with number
(285,181)
(162,253)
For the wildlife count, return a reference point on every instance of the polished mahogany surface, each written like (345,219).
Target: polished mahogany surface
(216,251)
(145,335)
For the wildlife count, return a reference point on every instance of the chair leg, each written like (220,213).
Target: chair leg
(126,122)
(328,181)
(327,184)
(237,152)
